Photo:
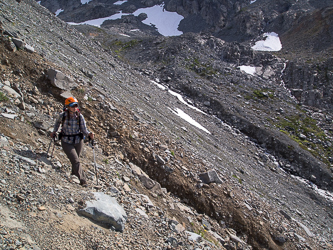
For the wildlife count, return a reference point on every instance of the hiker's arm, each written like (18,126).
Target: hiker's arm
(56,126)
(83,127)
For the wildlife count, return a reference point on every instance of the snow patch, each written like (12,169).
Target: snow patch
(166,22)
(159,85)
(58,12)
(271,43)
(85,1)
(119,2)
(248,69)
(189,119)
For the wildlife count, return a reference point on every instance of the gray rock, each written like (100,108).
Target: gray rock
(10,116)
(306,229)
(66,94)
(147,182)
(29,48)
(209,177)
(11,92)
(160,160)
(60,80)
(3,141)
(106,210)
(28,160)
(41,125)
(18,43)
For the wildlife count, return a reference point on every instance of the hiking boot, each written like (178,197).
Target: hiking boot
(83,183)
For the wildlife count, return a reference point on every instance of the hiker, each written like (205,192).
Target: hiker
(73,130)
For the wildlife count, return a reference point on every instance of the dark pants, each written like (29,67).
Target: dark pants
(73,153)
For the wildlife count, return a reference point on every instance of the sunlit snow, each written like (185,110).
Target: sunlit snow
(166,22)
(271,43)
(58,12)
(189,119)
(248,69)
(252,1)
(97,22)
(179,96)
(85,1)
(120,2)
(159,85)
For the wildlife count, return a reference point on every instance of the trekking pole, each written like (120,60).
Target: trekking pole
(53,147)
(47,154)
(48,150)
(93,147)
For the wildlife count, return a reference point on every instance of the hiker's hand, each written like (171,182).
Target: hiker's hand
(91,135)
(53,134)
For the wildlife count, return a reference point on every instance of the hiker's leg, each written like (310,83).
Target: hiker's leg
(71,153)
(78,148)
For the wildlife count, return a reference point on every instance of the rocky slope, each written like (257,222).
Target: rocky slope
(258,205)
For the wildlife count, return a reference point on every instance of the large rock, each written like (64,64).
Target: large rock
(106,210)
(11,92)
(209,177)
(60,80)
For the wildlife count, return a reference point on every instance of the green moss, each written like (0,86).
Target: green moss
(3,97)
(121,45)
(298,125)
(263,94)
(239,179)
(201,69)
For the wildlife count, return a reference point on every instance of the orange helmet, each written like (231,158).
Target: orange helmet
(70,101)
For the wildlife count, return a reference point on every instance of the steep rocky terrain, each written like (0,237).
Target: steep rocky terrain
(258,205)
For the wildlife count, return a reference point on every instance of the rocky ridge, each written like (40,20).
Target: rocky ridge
(134,132)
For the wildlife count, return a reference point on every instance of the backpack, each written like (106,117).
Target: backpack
(61,134)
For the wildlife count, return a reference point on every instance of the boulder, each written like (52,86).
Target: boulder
(60,80)
(147,182)
(18,43)
(106,210)
(209,177)
(66,94)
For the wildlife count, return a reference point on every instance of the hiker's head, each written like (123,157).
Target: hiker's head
(71,103)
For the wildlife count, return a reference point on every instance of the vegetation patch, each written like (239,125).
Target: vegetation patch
(122,45)
(3,97)
(307,134)
(260,94)
(201,69)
